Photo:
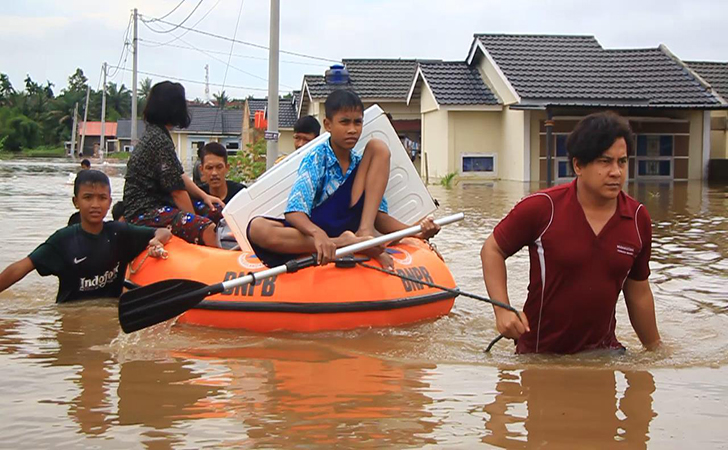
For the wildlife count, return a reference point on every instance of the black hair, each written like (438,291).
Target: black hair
(117,211)
(342,99)
(595,133)
(307,124)
(214,148)
(85,163)
(167,105)
(90,177)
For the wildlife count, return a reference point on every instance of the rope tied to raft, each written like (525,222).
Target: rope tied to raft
(453,291)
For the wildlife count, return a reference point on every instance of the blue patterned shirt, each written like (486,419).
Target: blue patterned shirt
(319,176)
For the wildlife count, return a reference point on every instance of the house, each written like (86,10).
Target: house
(716,74)
(384,82)
(123,133)
(287,116)
(208,124)
(91,142)
(491,116)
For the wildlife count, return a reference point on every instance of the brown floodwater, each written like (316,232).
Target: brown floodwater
(71,379)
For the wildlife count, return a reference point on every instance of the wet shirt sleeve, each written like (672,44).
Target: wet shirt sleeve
(136,239)
(307,184)
(47,259)
(641,268)
(524,224)
(170,169)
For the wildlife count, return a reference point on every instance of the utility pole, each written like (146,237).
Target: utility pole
(272,134)
(85,116)
(135,51)
(74,130)
(103,114)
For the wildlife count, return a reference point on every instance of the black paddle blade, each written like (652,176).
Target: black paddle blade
(149,305)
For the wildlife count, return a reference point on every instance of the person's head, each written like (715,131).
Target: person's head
(344,118)
(92,196)
(167,105)
(306,129)
(85,164)
(117,211)
(214,164)
(599,148)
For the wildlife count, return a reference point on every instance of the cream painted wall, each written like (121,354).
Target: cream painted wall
(510,164)
(435,131)
(493,79)
(285,142)
(475,132)
(695,160)
(398,110)
(536,118)
(427,99)
(719,138)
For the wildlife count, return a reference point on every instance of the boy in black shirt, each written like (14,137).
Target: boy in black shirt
(89,258)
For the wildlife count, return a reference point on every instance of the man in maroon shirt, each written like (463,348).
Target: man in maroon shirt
(587,241)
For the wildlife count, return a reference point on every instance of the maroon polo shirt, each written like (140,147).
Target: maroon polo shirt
(575,276)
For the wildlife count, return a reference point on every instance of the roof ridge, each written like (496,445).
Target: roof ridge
(706,62)
(536,35)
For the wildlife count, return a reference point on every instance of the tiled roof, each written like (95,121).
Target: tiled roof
(715,73)
(94,128)
(370,78)
(577,70)
(287,111)
(455,83)
(206,119)
(123,128)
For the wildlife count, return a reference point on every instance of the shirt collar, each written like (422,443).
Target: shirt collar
(623,206)
(332,160)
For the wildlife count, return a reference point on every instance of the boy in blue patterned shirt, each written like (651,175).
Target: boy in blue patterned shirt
(338,197)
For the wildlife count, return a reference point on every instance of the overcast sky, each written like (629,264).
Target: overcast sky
(49,39)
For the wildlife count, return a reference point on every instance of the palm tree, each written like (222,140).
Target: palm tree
(221,99)
(118,99)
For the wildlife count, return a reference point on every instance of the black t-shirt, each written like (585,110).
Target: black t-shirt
(232,186)
(90,265)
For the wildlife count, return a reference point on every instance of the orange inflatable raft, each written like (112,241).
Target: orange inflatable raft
(312,299)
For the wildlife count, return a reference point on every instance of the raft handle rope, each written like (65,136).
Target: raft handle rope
(453,291)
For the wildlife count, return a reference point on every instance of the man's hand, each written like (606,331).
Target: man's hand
(211,201)
(429,228)
(509,325)
(156,244)
(325,248)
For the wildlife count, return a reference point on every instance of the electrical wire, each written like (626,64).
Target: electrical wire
(175,25)
(227,67)
(250,44)
(186,80)
(193,26)
(173,9)
(124,47)
(155,44)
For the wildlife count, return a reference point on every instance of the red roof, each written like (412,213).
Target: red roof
(94,129)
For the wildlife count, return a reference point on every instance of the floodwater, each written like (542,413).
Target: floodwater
(70,379)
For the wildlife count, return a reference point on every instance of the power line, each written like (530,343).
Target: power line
(124,47)
(250,44)
(169,77)
(175,25)
(193,26)
(173,10)
(237,55)
(227,65)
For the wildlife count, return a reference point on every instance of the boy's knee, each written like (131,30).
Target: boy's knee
(377,148)
(260,231)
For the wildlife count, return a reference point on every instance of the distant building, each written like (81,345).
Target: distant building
(287,115)
(486,117)
(715,73)
(123,133)
(93,137)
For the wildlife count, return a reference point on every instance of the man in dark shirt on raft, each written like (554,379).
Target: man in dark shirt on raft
(588,241)
(89,258)
(214,169)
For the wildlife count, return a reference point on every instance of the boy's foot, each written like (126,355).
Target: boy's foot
(349,238)
(385,260)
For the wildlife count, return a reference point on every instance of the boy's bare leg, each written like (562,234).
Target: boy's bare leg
(274,236)
(371,177)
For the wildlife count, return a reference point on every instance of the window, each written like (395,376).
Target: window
(128,148)
(478,163)
(654,156)
(565,170)
(232,146)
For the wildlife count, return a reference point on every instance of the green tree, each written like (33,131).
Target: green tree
(118,100)
(18,131)
(143,94)
(77,82)
(221,99)
(6,89)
